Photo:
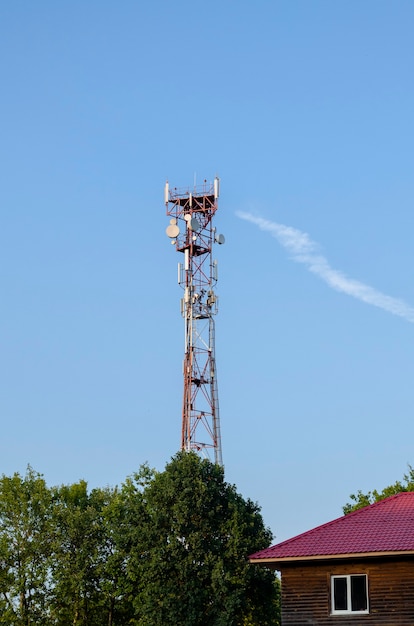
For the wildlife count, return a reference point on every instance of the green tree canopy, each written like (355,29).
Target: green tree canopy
(191,559)
(165,548)
(359,500)
(25,548)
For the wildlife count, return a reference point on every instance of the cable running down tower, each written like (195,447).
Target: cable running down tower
(191,231)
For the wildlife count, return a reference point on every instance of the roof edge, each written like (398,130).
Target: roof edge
(330,557)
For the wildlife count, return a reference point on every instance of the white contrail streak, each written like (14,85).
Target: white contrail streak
(304,250)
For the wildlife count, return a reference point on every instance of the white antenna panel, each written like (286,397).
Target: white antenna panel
(216,187)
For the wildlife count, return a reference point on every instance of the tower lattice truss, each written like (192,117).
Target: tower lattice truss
(192,232)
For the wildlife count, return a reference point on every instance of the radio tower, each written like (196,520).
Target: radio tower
(191,231)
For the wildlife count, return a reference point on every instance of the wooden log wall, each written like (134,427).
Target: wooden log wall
(306,595)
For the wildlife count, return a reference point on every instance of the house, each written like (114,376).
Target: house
(356,570)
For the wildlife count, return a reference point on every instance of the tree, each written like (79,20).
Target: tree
(166,548)
(364,499)
(25,549)
(189,561)
(118,519)
(78,539)
(87,564)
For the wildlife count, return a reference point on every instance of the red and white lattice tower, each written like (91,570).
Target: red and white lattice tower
(191,231)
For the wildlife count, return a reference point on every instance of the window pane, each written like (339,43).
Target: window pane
(359,593)
(340,603)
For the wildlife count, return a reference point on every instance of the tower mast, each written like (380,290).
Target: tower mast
(191,231)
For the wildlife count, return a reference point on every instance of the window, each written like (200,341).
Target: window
(349,594)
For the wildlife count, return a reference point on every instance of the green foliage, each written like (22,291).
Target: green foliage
(78,535)
(25,548)
(164,548)
(197,535)
(359,500)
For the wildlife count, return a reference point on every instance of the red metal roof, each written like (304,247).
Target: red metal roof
(386,526)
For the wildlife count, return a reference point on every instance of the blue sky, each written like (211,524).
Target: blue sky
(305,111)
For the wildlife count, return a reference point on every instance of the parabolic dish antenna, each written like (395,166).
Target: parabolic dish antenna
(172,231)
(193,224)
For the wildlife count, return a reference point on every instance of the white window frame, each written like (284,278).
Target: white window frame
(349,610)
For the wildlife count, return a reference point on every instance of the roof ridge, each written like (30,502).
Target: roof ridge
(378,502)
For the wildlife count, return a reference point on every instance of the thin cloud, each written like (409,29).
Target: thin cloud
(303,250)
